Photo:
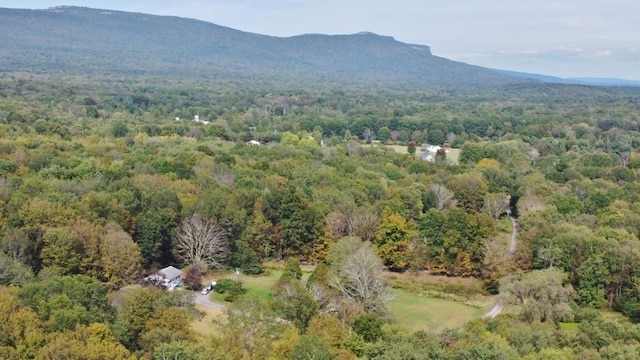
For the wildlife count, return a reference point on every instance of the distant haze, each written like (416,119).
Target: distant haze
(570,38)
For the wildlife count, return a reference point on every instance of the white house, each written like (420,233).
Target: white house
(427,157)
(169,278)
(432,148)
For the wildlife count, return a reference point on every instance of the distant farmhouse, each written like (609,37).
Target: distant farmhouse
(196,119)
(429,152)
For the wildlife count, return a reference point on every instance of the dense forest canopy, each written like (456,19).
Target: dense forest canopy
(103,180)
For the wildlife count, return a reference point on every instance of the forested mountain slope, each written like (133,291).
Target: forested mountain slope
(90,41)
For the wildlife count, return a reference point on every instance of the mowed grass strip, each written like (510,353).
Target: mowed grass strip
(415,312)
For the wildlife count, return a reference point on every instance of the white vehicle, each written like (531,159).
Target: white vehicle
(206,290)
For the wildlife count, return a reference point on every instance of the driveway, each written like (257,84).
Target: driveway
(204,301)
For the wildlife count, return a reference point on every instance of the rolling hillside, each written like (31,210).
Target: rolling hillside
(75,40)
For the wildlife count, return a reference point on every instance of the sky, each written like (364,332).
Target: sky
(565,38)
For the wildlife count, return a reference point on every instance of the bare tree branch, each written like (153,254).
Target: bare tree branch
(201,242)
(444,197)
(495,204)
(363,224)
(358,277)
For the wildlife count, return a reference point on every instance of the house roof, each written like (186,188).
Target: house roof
(170,272)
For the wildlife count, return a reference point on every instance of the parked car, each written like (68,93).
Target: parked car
(206,290)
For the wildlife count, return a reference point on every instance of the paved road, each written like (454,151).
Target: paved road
(204,301)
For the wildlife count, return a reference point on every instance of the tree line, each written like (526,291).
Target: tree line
(100,182)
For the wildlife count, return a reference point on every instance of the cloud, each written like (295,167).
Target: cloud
(519,52)
(604,53)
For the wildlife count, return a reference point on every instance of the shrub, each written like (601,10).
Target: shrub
(369,327)
(231,289)
(193,278)
(292,269)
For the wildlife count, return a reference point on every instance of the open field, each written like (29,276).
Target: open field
(453,155)
(451,287)
(207,327)
(256,286)
(414,312)
(410,308)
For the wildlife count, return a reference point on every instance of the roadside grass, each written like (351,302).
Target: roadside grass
(400,149)
(260,286)
(415,312)
(505,225)
(606,314)
(208,325)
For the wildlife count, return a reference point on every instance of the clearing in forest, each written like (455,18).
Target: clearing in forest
(410,311)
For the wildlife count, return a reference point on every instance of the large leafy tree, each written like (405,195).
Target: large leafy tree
(257,234)
(252,330)
(292,301)
(121,261)
(469,189)
(61,250)
(94,341)
(541,295)
(154,232)
(63,302)
(22,332)
(296,222)
(392,240)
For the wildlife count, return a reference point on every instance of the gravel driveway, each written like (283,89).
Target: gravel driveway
(204,301)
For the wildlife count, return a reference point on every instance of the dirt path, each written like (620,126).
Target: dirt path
(497,308)
(514,235)
(494,311)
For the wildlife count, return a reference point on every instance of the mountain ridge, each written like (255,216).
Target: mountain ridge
(84,40)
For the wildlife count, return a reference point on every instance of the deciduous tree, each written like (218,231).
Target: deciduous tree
(495,205)
(541,295)
(392,240)
(121,261)
(444,197)
(201,242)
(356,272)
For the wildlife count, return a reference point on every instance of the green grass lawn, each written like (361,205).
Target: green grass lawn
(569,326)
(256,286)
(505,225)
(453,156)
(414,312)
(260,286)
